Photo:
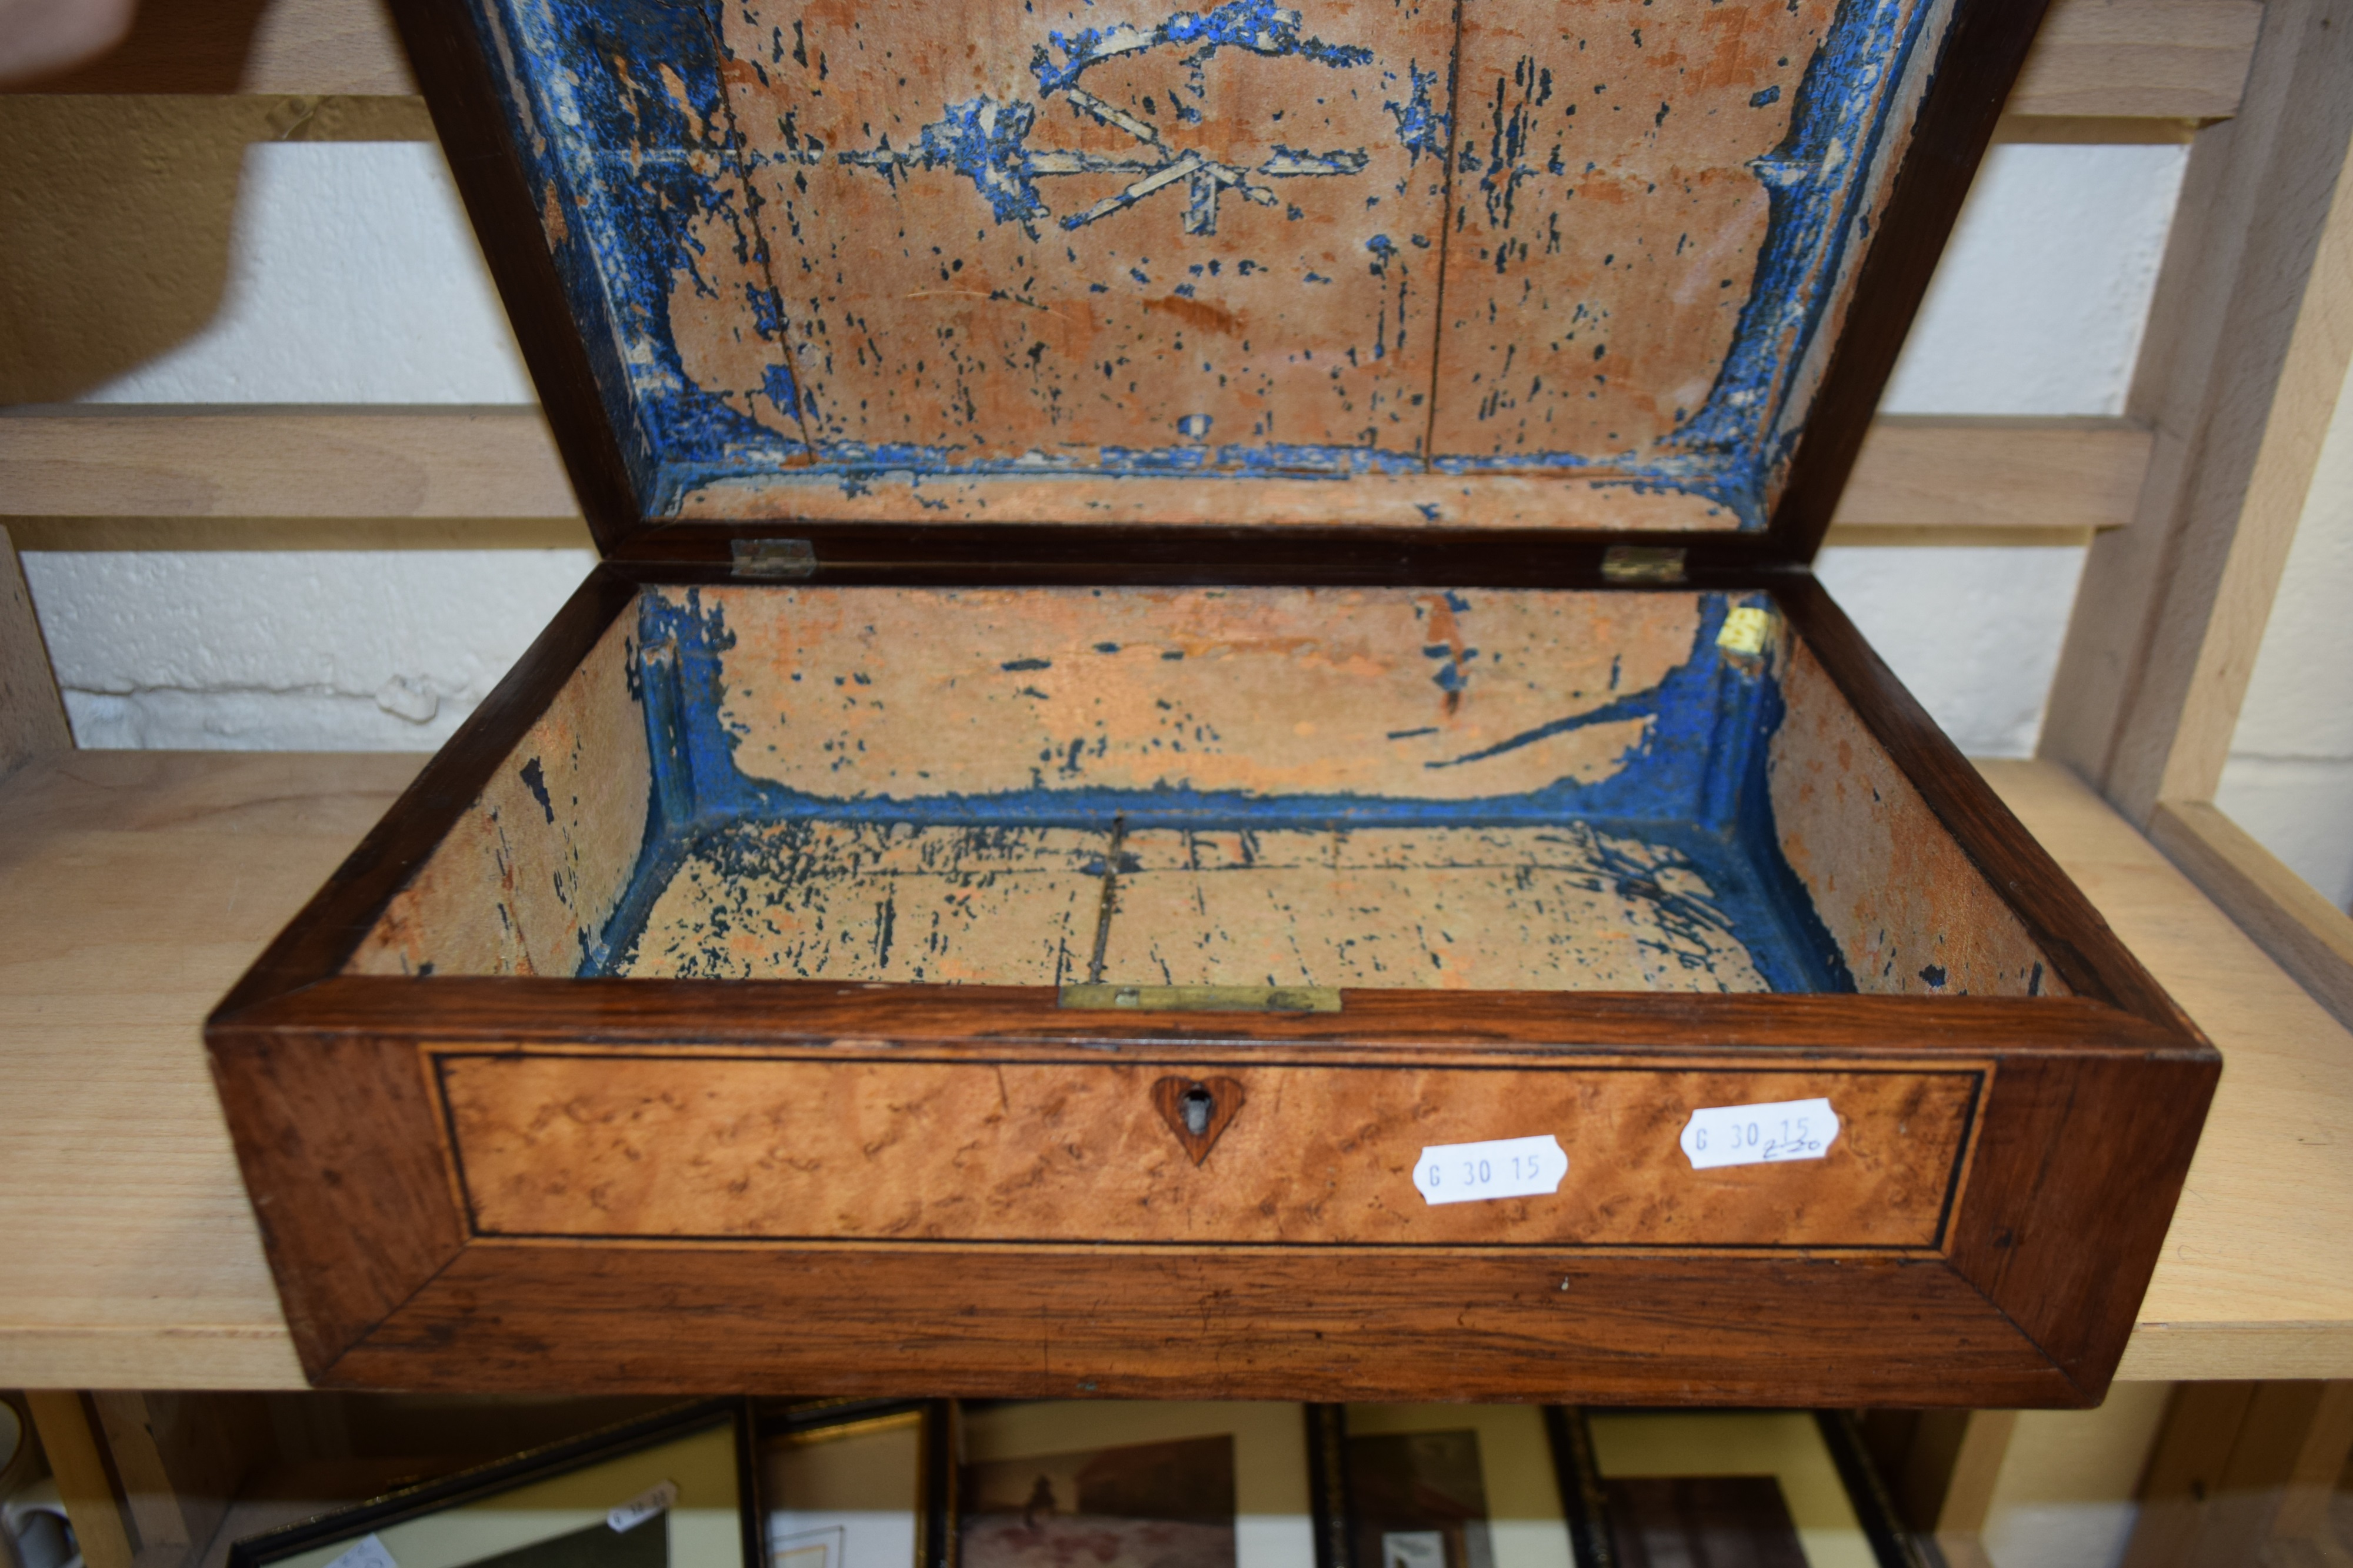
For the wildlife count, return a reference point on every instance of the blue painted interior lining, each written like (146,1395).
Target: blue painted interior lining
(630,170)
(1695,784)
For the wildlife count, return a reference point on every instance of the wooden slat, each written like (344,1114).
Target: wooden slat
(311,47)
(32,719)
(1969,473)
(2305,934)
(77,1456)
(254,462)
(2181,59)
(2135,59)
(94,461)
(2249,338)
(2139,58)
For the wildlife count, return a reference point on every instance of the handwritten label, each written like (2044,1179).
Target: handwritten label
(369,1553)
(1499,1168)
(1721,1135)
(644,1506)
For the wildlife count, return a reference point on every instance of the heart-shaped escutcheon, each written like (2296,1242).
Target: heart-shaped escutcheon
(1198,1109)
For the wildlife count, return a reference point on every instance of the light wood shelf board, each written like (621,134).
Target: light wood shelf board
(2252,1283)
(2139,59)
(2125,58)
(109,461)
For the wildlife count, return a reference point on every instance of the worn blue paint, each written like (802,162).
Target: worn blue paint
(1420,128)
(632,173)
(591,94)
(1816,187)
(1694,783)
(1260,26)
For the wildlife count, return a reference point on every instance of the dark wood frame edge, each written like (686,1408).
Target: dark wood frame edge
(503,1475)
(1973,75)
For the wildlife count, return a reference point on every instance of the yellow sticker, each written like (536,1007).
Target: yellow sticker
(1745,631)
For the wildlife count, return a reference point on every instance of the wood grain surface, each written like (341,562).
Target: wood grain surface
(2170,60)
(526,881)
(476,464)
(1323,1325)
(2249,331)
(123,1184)
(680,1147)
(2305,934)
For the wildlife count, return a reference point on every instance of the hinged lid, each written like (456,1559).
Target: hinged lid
(1112,280)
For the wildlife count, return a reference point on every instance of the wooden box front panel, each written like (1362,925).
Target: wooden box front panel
(679,1146)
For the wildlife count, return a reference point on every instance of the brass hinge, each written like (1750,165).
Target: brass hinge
(1642,563)
(1204,998)
(775,558)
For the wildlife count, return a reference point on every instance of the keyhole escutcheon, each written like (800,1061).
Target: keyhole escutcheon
(1198,1110)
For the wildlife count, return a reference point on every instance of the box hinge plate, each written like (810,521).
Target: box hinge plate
(1642,563)
(775,558)
(1203,998)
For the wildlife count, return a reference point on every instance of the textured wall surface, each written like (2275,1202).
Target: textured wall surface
(351,279)
(2038,303)
(2289,781)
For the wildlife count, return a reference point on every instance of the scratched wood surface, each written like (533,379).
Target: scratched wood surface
(1547,908)
(676,1146)
(526,880)
(1323,698)
(829,900)
(1911,913)
(1430,695)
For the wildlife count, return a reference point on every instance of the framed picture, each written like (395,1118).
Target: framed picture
(1134,1485)
(1751,1489)
(672,1490)
(1453,1486)
(855,1483)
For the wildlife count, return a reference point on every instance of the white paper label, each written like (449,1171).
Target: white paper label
(368,1554)
(642,1507)
(1720,1135)
(1500,1168)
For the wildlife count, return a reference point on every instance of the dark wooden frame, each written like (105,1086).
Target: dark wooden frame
(1580,1478)
(505,1475)
(936,1523)
(2083,1140)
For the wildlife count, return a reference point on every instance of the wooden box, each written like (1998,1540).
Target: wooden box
(1205,639)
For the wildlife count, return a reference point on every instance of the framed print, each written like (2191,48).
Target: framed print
(1751,1489)
(1134,1485)
(1453,1486)
(672,1490)
(854,1484)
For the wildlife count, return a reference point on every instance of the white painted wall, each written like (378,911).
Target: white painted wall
(355,280)
(2289,781)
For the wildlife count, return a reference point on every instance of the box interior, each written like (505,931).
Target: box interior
(1391,788)
(1511,263)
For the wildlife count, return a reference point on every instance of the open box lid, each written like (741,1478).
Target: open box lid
(1106,281)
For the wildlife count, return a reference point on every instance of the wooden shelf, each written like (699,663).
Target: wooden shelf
(135,886)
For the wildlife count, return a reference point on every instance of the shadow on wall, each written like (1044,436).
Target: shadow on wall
(114,227)
(115,211)
(176,46)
